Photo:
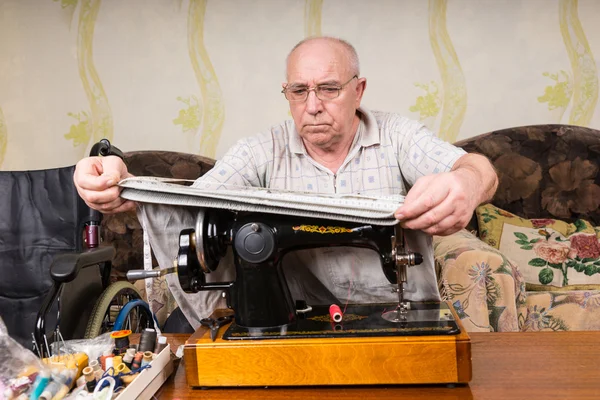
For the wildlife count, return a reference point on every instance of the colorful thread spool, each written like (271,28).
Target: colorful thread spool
(121,340)
(128,357)
(90,379)
(335,312)
(51,390)
(137,360)
(103,359)
(147,340)
(40,383)
(147,359)
(95,365)
(122,368)
(161,343)
(110,365)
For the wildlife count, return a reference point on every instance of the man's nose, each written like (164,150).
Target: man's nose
(313,103)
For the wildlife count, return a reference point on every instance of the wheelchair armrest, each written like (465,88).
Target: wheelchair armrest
(65,267)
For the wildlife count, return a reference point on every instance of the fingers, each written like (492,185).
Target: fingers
(437,205)
(117,207)
(105,199)
(99,173)
(96,181)
(439,219)
(423,196)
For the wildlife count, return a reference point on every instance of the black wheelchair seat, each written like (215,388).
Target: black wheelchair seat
(41,216)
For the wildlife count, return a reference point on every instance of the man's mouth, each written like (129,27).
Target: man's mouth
(315,125)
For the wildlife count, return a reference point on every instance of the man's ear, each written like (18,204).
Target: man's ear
(360,90)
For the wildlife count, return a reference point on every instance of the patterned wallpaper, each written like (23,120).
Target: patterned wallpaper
(197,75)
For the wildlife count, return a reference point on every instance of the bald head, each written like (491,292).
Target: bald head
(344,51)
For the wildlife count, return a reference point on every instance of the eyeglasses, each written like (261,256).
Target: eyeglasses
(297,93)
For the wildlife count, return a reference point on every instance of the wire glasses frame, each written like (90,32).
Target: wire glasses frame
(323,92)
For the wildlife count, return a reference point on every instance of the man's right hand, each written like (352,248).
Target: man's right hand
(96,180)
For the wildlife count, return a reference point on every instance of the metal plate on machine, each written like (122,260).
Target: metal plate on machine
(422,319)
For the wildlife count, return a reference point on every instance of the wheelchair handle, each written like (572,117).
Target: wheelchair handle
(92,229)
(104,148)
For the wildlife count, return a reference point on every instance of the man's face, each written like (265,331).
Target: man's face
(324,123)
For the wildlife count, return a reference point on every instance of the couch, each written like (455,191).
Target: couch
(530,260)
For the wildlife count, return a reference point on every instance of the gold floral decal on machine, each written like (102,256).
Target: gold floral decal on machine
(322,229)
(347,317)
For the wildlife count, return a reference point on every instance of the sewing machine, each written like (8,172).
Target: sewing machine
(274,340)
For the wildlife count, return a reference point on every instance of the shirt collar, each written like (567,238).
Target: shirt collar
(368,128)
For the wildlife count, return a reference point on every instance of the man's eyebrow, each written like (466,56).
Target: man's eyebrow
(297,85)
(329,82)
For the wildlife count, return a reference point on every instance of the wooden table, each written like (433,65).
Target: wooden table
(546,365)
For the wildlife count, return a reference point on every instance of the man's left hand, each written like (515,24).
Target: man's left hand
(442,204)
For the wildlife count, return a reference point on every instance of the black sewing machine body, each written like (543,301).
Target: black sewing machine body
(262,304)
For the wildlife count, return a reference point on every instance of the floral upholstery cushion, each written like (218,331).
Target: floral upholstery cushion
(485,288)
(488,292)
(576,310)
(551,254)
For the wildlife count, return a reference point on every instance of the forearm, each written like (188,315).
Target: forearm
(481,170)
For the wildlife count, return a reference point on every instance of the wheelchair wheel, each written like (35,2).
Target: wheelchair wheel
(120,302)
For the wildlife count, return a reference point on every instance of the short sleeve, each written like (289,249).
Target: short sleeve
(422,153)
(236,168)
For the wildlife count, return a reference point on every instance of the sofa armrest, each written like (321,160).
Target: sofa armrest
(485,287)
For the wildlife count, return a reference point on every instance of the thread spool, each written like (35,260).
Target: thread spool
(147,340)
(95,365)
(122,368)
(128,357)
(109,363)
(335,313)
(40,383)
(103,359)
(147,359)
(121,340)
(137,360)
(90,379)
(161,343)
(51,390)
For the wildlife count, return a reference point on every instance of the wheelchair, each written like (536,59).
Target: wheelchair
(55,276)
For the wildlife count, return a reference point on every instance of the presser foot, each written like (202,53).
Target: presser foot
(399,315)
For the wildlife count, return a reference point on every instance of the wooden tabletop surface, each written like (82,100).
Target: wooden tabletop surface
(545,365)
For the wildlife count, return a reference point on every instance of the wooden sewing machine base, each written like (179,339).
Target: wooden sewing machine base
(346,354)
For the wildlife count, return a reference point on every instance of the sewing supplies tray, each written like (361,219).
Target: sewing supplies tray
(364,349)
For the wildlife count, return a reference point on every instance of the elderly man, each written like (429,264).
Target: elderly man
(333,145)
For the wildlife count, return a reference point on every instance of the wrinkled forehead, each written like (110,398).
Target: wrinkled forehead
(318,61)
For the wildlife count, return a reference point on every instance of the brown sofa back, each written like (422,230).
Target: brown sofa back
(545,171)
